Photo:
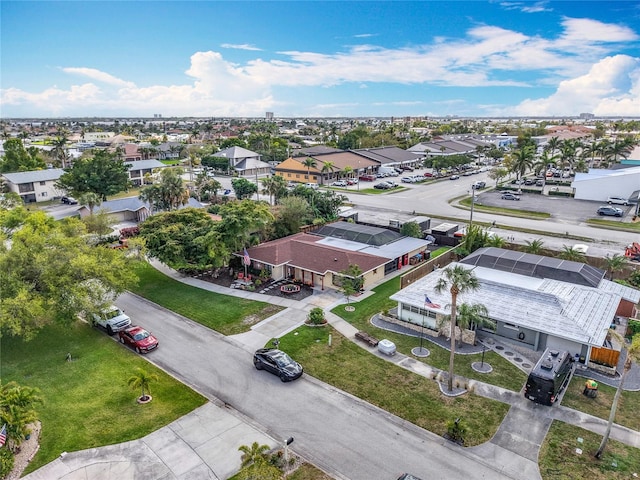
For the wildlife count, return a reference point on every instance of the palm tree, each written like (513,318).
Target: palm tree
(533,246)
(571,254)
(256,453)
(91,200)
(458,280)
(523,160)
(309,163)
(327,167)
(614,264)
(59,150)
(553,144)
(472,316)
(347,171)
(142,379)
(633,354)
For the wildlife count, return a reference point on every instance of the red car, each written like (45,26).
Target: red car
(138,339)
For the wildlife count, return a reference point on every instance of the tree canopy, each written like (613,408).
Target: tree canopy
(243,188)
(51,273)
(17,158)
(168,193)
(103,174)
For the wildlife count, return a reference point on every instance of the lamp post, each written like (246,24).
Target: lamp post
(483,349)
(473,201)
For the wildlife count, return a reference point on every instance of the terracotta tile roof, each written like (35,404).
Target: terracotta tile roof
(302,251)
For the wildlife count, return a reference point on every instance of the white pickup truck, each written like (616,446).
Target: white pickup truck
(112,320)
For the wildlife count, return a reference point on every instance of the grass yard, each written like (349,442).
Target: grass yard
(558,459)
(222,313)
(626,413)
(504,373)
(92,388)
(392,388)
(510,212)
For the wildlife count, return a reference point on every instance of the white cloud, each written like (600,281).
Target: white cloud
(98,75)
(244,46)
(525,7)
(610,88)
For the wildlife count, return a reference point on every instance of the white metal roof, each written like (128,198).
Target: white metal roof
(573,312)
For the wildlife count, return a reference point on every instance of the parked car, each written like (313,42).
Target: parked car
(407,180)
(454,177)
(315,186)
(479,185)
(428,174)
(618,201)
(339,183)
(352,181)
(69,200)
(407,168)
(529,181)
(367,178)
(277,362)
(382,186)
(138,339)
(510,196)
(111,319)
(540,183)
(407,476)
(610,211)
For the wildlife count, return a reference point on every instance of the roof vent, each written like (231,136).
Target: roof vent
(546,365)
(554,353)
(335,259)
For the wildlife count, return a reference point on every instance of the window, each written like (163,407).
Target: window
(43,183)
(25,187)
(43,194)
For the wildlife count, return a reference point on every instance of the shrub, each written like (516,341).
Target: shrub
(6,462)
(316,316)
(456,430)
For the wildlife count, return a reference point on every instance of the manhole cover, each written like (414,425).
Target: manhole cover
(517,359)
(499,347)
(526,365)
(509,354)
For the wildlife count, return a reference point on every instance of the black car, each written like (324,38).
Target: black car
(69,200)
(277,362)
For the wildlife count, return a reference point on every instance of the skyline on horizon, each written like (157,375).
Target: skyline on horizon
(320,59)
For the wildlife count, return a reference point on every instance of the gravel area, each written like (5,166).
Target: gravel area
(28,449)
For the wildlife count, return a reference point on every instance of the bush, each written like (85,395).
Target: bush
(316,316)
(7,460)
(634,327)
(456,430)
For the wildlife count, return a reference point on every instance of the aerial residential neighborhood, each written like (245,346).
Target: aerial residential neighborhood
(320,240)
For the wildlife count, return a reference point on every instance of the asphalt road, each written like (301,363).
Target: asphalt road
(346,437)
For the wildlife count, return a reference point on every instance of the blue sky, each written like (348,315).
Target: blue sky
(319,59)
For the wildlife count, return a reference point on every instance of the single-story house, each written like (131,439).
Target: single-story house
(129,209)
(293,169)
(36,185)
(539,302)
(317,258)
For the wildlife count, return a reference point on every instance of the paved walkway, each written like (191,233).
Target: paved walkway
(197,445)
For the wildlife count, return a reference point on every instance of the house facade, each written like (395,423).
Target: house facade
(245,162)
(35,186)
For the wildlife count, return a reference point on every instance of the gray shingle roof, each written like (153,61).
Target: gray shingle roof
(34,176)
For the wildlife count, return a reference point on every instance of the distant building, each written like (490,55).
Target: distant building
(269,116)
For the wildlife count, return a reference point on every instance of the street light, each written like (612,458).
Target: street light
(473,201)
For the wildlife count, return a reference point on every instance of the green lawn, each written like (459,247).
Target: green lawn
(392,388)
(87,402)
(222,313)
(626,413)
(504,373)
(559,460)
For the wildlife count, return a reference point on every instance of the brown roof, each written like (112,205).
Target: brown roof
(302,251)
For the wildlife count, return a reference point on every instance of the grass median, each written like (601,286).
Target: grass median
(223,313)
(87,401)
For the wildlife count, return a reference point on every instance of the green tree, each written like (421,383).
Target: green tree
(289,215)
(186,240)
(411,229)
(207,187)
(351,281)
(255,464)
(497,174)
(495,241)
(168,193)
(243,223)
(309,163)
(142,379)
(243,188)
(274,186)
(17,159)
(51,273)
(327,167)
(59,151)
(99,222)
(457,280)
(522,160)
(102,174)
(91,200)
(472,316)
(633,355)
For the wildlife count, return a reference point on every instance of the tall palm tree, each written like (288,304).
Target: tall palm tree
(59,150)
(347,171)
(633,355)
(309,163)
(458,280)
(553,144)
(327,167)
(614,264)
(523,160)
(142,379)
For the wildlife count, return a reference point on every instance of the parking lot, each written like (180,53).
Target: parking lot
(565,209)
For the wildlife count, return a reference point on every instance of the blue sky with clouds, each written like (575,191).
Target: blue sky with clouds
(319,59)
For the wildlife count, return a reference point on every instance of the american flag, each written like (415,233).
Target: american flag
(246,259)
(429,303)
(3,435)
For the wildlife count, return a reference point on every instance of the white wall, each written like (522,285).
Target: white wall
(598,185)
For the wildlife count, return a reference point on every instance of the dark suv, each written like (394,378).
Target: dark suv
(69,200)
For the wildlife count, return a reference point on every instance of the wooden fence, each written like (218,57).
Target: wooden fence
(605,356)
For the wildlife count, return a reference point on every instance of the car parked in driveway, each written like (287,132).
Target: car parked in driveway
(610,211)
(277,362)
(618,201)
(509,196)
(138,338)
